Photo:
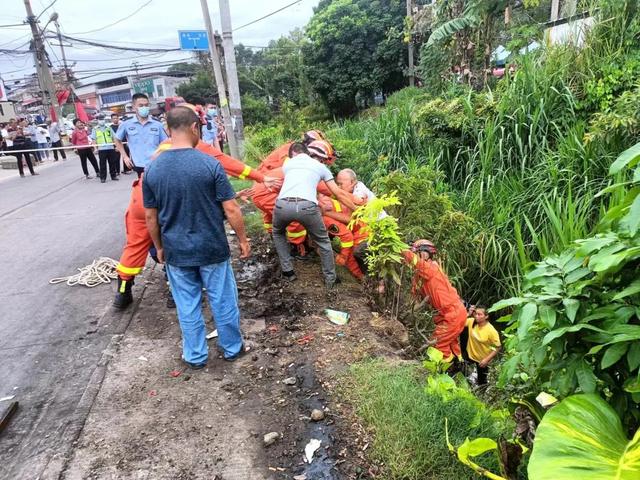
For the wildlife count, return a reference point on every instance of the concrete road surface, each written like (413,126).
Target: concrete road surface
(53,336)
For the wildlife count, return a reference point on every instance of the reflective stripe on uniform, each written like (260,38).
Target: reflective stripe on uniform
(299,234)
(346,244)
(414,260)
(267,226)
(123,286)
(128,270)
(245,173)
(336,205)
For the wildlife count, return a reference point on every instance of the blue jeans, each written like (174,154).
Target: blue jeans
(186,287)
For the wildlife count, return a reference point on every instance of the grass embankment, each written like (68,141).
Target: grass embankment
(408,422)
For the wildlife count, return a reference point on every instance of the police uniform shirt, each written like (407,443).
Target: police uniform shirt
(142,139)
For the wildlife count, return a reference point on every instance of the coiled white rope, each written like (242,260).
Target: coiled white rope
(102,270)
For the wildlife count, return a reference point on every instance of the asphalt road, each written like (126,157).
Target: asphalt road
(52,336)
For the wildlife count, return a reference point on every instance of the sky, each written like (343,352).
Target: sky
(154,25)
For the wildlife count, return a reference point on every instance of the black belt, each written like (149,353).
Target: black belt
(294,199)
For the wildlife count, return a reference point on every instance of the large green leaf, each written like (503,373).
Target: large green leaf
(527,315)
(448,29)
(582,438)
(509,302)
(630,290)
(631,221)
(613,354)
(628,157)
(552,335)
(586,377)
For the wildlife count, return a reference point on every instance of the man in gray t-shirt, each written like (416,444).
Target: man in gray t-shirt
(297,202)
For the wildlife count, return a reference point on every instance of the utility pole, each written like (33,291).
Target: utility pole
(412,81)
(217,71)
(555,10)
(45,78)
(232,74)
(54,18)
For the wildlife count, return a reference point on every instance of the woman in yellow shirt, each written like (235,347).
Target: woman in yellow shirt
(483,344)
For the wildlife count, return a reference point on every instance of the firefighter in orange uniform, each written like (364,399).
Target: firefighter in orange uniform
(431,283)
(336,217)
(134,255)
(277,158)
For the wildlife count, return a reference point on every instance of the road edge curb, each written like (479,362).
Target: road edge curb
(57,464)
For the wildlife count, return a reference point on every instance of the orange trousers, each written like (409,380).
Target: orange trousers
(449,326)
(345,257)
(134,255)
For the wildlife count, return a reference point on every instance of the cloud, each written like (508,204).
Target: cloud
(155,25)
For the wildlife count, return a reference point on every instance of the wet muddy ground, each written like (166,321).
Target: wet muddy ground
(155,419)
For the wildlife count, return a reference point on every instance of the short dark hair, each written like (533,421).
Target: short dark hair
(181,118)
(297,148)
(76,120)
(136,96)
(114,115)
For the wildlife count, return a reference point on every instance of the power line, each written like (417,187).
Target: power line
(116,22)
(47,8)
(267,15)
(115,47)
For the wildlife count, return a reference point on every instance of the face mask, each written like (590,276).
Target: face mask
(212,112)
(143,112)
(101,123)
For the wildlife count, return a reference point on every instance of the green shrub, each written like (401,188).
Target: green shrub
(576,325)
(408,421)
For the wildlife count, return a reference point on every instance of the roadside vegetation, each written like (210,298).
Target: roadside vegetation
(529,186)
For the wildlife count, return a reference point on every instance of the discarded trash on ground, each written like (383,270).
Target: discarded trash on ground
(270,438)
(10,397)
(175,373)
(310,449)
(305,339)
(337,317)
(153,393)
(213,334)
(142,358)
(290,381)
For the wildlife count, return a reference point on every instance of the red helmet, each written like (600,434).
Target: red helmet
(313,135)
(424,246)
(323,151)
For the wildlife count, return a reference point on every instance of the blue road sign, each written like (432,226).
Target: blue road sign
(193,40)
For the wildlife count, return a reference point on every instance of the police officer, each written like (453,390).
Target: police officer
(102,135)
(142,133)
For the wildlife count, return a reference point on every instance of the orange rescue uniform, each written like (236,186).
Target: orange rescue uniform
(275,159)
(338,229)
(433,284)
(134,255)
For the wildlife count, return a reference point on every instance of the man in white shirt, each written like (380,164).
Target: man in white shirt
(298,202)
(55,132)
(6,138)
(42,139)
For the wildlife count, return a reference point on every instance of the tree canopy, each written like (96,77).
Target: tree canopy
(355,49)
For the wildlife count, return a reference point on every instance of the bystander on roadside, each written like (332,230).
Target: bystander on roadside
(187,196)
(115,124)
(20,139)
(55,133)
(80,138)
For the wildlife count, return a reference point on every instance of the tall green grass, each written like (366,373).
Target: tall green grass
(409,422)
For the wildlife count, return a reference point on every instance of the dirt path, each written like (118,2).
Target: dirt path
(154,419)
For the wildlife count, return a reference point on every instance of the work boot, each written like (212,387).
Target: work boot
(124,297)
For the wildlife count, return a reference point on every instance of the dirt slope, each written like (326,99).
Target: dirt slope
(209,424)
